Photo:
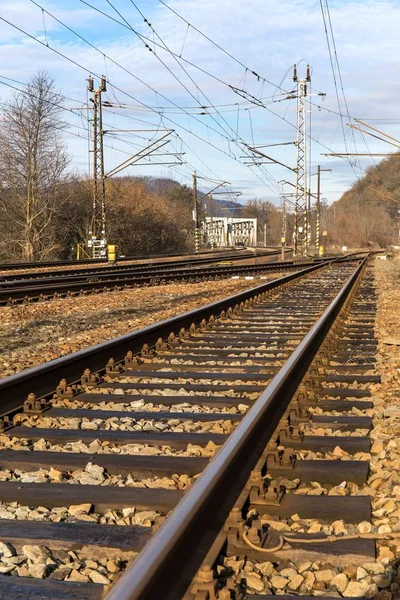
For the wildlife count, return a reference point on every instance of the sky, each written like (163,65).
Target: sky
(215,99)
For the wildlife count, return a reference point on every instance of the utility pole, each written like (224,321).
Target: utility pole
(196,216)
(308,221)
(97,235)
(318,220)
(300,214)
(283,238)
(211,223)
(318,248)
(265,233)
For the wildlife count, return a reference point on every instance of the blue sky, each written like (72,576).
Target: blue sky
(264,35)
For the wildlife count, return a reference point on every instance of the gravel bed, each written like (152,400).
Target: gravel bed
(309,429)
(189,380)
(41,562)
(70,267)
(141,405)
(220,363)
(93,474)
(335,454)
(30,560)
(345,386)
(135,261)
(354,411)
(103,447)
(124,424)
(79,512)
(379,579)
(371,580)
(165,391)
(36,333)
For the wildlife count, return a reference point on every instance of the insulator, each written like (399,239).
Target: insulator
(308,75)
(294,72)
(103,84)
(90,86)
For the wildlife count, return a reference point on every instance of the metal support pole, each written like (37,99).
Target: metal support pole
(196,216)
(318,219)
(211,223)
(300,213)
(97,233)
(265,233)
(283,239)
(308,221)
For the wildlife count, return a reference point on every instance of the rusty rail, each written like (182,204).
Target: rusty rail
(45,378)
(167,565)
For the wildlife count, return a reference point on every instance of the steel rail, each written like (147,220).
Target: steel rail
(117,272)
(121,269)
(168,563)
(91,261)
(153,273)
(63,288)
(44,379)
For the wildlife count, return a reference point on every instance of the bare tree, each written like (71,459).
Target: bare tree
(265,212)
(32,166)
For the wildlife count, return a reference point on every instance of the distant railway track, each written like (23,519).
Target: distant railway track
(160,259)
(33,289)
(135,268)
(138,418)
(85,261)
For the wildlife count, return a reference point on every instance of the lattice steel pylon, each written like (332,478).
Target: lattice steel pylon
(97,234)
(300,212)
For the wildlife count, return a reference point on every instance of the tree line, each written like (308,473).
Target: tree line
(45,209)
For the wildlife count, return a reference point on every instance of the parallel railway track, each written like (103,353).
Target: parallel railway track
(31,289)
(134,421)
(97,261)
(159,260)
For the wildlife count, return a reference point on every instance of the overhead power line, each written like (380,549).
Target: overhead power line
(247,69)
(188,130)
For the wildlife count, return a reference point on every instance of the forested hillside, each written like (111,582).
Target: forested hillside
(367,214)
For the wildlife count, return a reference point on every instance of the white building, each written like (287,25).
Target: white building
(229,231)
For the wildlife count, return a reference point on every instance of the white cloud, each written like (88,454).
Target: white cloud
(266,35)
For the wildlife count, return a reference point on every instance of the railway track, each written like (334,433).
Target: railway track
(87,261)
(31,289)
(91,268)
(160,259)
(90,472)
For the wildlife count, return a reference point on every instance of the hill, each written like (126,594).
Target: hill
(223,208)
(367,214)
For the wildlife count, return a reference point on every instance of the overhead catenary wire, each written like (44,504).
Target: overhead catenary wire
(89,70)
(338,68)
(61,107)
(185,87)
(247,69)
(87,130)
(266,181)
(333,71)
(265,173)
(236,90)
(261,174)
(177,61)
(335,66)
